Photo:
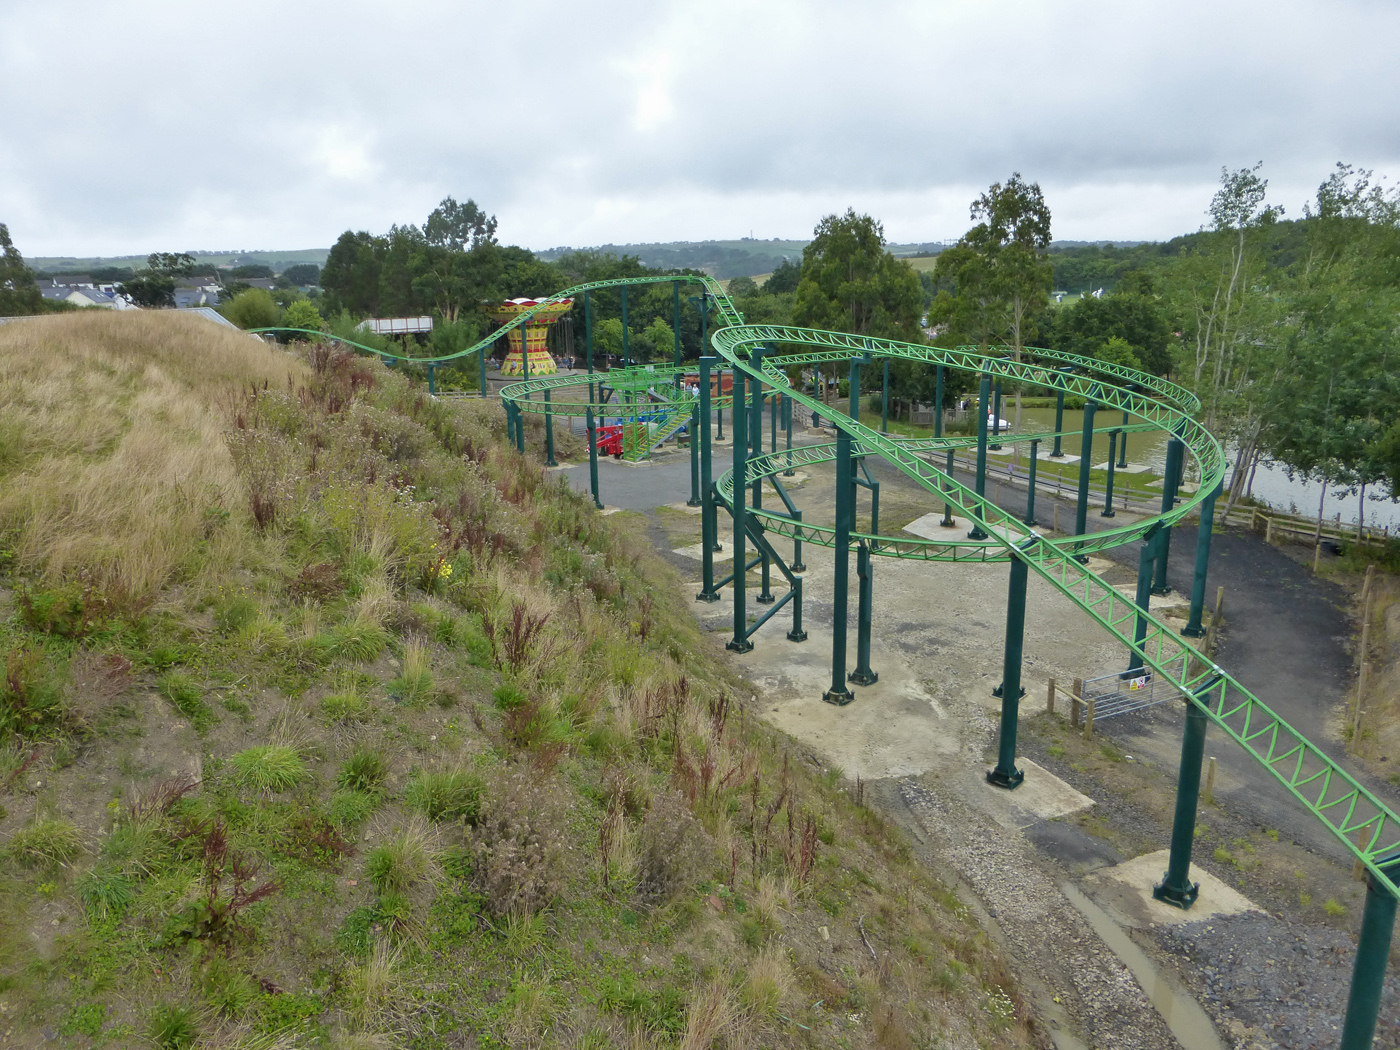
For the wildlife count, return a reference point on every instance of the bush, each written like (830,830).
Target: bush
(252,308)
(51,840)
(269,767)
(519,844)
(446,795)
(674,850)
(364,771)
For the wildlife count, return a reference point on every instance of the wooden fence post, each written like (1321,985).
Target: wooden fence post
(1050,698)
(1089,719)
(1075,701)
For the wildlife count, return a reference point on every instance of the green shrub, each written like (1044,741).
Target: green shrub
(49,840)
(106,894)
(227,990)
(269,767)
(401,863)
(187,698)
(359,642)
(446,795)
(31,695)
(348,809)
(364,771)
(172,1027)
(236,613)
(343,709)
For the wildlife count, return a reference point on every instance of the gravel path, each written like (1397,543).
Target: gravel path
(1283,987)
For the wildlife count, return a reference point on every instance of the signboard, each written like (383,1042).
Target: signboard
(1139,683)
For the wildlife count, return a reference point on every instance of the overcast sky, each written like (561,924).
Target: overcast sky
(137,125)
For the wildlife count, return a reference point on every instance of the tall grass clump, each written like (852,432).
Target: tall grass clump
(449,794)
(269,767)
(48,840)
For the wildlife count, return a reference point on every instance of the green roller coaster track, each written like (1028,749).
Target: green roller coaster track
(1363,824)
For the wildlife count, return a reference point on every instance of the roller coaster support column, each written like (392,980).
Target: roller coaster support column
(863,675)
(548,432)
(1123,445)
(1108,511)
(432,389)
(947,521)
(839,694)
(481,366)
(1193,628)
(626,352)
(1142,600)
(885,402)
(817,393)
(676,328)
(853,391)
(1086,458)
(756,405)
(708,515)
(996,417)
(1030,489)
(1170,480)
(1056,452)
(1176,887)
(593,456)
(694,500)
(1372,954)
(739,643)
(1006,774)
(588,339)
(983,394)
(787,422)
(774,404)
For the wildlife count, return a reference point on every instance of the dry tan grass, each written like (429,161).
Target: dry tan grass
(113,465)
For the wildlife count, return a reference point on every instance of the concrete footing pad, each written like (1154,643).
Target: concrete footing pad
(1125,891)
(697,551)
(1131,468)
(1043,454)
(1041,796)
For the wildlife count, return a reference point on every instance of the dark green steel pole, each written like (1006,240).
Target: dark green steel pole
(1108,511)
(548,432)
(1057,453)
(1006,774)
(520,421)
(1123,447)
(885,402)
(817,393)
(1030,490)
(739,643)
(853,392)
(787,422)
(1372,955)
(996,417)
(432,389)
(1086,456)
(1176,887)
(1170,480)
(1193,628)
(588,338)
(983,394)
(1142,600)
(863,675)
(676,327)
(626,352)
(709,524)
(938,403)
(845,498)
(774,403)
(694,500)
(481,366)
(593,456)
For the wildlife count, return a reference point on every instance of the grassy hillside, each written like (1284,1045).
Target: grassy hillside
(329,720)
(275,259)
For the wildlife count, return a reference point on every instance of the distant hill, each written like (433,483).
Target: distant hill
(278,260)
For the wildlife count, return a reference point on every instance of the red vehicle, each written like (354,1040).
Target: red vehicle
(610,440)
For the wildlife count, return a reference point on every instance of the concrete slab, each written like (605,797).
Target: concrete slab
(1157,603)
(684,508)
(1005,450)
(697,551)
(1125,892)
(1042,796)
(1045,454)
(1185,486)
(1131,468)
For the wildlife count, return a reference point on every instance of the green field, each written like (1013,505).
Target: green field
(278,260)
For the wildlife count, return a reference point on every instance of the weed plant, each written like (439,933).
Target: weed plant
(269,767)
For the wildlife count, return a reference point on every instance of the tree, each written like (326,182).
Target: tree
(351,273)
(154,287)
(253,308)
(1117,351)
(303,274)
(850,283)
(999,275)
(1139,320)
(784,279)
(19,291)
(657,340)
(742,286)
(302,313)
(459,227)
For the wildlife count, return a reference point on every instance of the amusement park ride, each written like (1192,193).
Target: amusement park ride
(743,366)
